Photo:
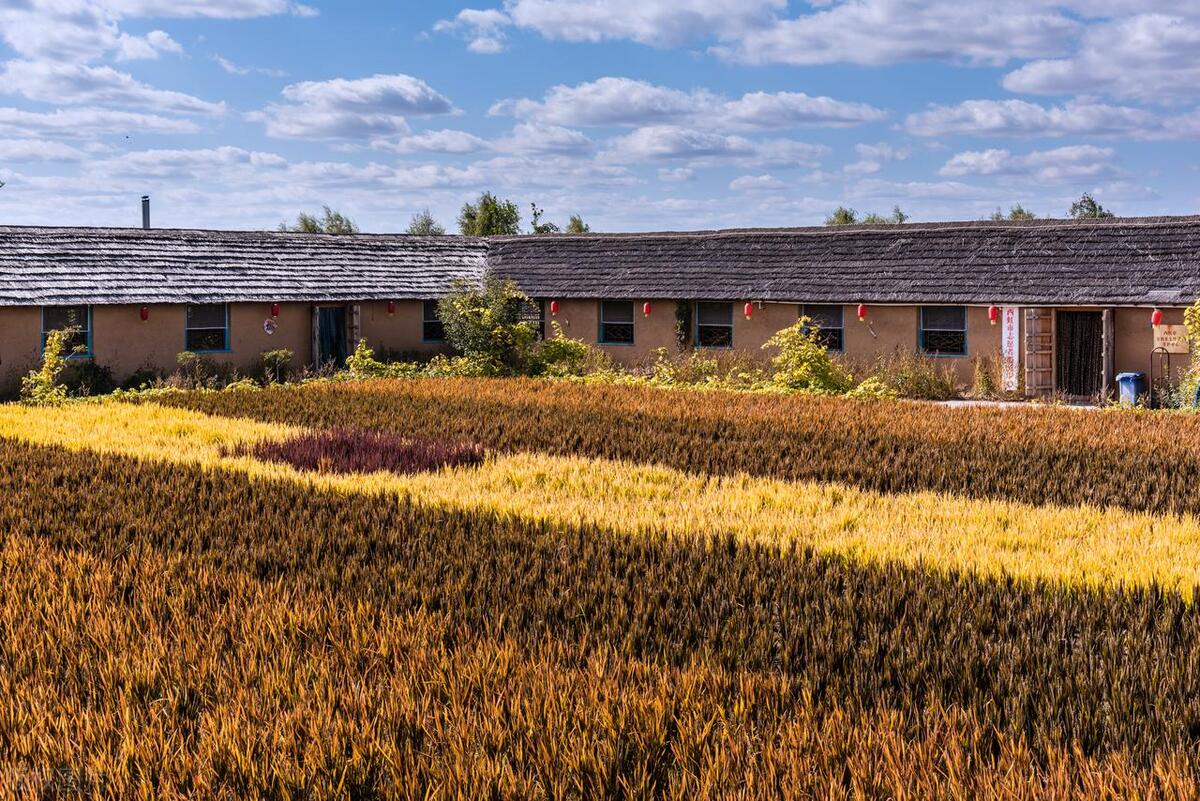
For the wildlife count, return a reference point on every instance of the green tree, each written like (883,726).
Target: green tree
(803,363)
(578,226)
(423,224)
(488,322)
(330,222)
(842,216)
(489,216)
(540,227)
(1017,212)
(898,217)
(1086,208)
(42,387)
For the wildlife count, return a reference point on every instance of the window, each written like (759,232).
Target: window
(714,325)
(616,322)
(534,313)
(828,320)
(944,330)
(77,319)
(432,327)
(207,328)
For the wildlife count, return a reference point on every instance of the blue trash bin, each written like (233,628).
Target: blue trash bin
(1131,387)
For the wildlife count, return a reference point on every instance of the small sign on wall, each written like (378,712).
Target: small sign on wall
(269,327)
(1010,346)
(1172,337)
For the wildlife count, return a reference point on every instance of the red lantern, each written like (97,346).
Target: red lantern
(391,307)
(145,313)
(274,309)
(993,315)
(646,308)
(1156,318)
(553,307)
(862,312)
(749,310)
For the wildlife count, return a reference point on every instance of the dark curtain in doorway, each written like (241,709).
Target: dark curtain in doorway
(332,336)
(1080,352)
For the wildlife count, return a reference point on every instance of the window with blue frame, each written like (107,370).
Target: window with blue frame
(714,325)
(77,320)
(534,313)
(944,330)
(432,327)
(616,322)
(829,322)
(207,328)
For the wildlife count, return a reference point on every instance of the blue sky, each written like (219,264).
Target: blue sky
(636,114)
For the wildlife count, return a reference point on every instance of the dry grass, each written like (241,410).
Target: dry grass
(1078,544)
(153,677)
(166,629)
(1141,462)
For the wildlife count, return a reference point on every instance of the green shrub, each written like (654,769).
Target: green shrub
(804,364)
(363,364)
(142,378)
(489,323)
(42,387)
(872,389)
(560,356)
(196,372)
(274,365)
(85,378)
(732,370)
(914,375)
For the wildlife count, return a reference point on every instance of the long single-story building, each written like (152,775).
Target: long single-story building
(1064,305)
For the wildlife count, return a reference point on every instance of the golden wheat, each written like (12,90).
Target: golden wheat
(1078,544)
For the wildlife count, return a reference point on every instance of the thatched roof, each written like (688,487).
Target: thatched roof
(1147,261)
(47,266)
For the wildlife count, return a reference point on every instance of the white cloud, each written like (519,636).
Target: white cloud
(674,143)
(952,190)
(133,48)
(756,183)
(1150,57)
(89,122)
(663,23)
(613,101)
(86,30)
(483,29)
(831,31)
(872,157)
(445,141)
(1059,164)
(676,175)
(763,110)
(38,150)
(1022,118)
(216,9)
(51,82)
(891,31)
(668,142)
(537,138)
(366,108)
(236,69)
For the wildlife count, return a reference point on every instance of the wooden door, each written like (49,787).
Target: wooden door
(1039,351)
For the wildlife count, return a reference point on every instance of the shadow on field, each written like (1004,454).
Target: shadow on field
(1057,666)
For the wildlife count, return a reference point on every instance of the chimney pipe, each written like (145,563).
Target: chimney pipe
(146,211)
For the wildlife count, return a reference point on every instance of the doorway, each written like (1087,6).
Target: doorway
(1079,353)
(331,336)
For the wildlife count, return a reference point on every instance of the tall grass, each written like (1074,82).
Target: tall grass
(1075,544)
(1059,456)
(153,676)
(1106,673)
(353,450)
